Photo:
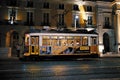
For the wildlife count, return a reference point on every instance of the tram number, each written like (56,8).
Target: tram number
(84,48)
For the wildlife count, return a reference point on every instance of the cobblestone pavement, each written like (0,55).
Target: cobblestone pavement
(81,69)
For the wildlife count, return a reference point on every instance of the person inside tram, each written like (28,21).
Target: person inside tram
(72,43)
(69,50)
(77,43)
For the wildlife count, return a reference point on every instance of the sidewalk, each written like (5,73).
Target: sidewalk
(8,58)
(106,55)
(110,54)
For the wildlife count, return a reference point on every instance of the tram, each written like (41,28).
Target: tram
(65,43)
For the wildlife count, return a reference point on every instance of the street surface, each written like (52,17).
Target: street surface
(81,69)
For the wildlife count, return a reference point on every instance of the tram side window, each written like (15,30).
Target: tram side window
(46,40)
(77,40)
(62,41)
(93,40)
(85,41)
(70,41)
(54,41)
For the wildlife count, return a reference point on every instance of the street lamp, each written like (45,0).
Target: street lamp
(76,17)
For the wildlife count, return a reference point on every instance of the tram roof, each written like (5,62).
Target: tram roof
(79,31)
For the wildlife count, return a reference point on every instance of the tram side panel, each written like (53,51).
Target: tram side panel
(64,49)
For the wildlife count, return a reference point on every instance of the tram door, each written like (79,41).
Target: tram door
(34,47)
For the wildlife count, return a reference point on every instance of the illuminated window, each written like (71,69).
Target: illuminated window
(62,41)
(77,41)
(34,40)
(54,41)
(70,40)
(12,14)
(46,40)
(85,41)
(26,40)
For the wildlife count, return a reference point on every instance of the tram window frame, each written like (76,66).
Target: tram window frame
(77,40)
(93,40)
(85,41)
(70,40)
(46,41)
(54,40)
(62,41)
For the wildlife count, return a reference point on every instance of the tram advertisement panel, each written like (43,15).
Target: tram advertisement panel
(45,50)
(83,49)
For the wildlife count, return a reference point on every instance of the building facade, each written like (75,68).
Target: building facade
(18,17)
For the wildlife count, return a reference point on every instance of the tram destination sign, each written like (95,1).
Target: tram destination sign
(84,48)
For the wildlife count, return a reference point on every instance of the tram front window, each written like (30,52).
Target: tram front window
(26,47)
(34,49)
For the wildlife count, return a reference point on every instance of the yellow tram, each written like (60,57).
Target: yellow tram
(61,43)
